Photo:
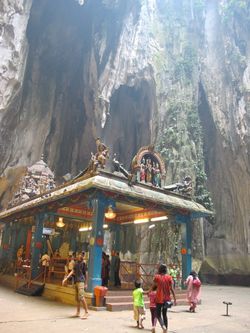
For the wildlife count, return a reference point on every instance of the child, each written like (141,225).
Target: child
(152,306)
(139,309)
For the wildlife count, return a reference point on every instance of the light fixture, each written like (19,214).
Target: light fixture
(110,214)
(141,221)
(85,229)
(151,226)
(60,223)
(105,226)
(128,222)
(159,218)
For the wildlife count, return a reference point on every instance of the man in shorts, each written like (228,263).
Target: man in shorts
(80,280)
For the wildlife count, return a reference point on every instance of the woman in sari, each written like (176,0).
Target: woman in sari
(193,290)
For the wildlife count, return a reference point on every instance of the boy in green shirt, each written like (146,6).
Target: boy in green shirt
(139,308)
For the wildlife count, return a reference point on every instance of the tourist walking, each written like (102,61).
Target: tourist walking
(152,307)
(193,284)
(138,302)
(80,281)
(164,283)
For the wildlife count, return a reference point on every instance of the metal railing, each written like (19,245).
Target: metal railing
(130,271)
(24,273)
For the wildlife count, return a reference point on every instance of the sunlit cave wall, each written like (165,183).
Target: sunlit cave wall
(224,114)
(58,110)
(174,73)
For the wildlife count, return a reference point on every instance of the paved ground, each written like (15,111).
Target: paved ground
(20,314)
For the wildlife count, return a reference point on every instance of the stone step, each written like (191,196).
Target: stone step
(122,292)
(122,306)
(129,298)
(119,298)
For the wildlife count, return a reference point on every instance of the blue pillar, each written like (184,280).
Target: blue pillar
(12,253)
(37,245)
(96,243)
(186,235)
(189,246)
(6,241)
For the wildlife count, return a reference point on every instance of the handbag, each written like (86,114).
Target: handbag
(167,304)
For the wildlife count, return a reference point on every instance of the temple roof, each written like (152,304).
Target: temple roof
(40,167)
(115,187)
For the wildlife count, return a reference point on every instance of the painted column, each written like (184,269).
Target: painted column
(37,245)
(12,252)
(96,243)
(186,250)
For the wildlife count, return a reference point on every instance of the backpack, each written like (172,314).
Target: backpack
(196,283)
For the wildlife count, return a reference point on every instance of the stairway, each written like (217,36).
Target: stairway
(119,300)
(35,289)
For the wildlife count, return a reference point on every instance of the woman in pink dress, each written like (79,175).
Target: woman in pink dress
(193,284)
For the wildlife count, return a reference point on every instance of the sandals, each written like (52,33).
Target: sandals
(85,316)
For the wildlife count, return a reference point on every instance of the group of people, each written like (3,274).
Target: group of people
(106,266)
(159,294)
(160,298)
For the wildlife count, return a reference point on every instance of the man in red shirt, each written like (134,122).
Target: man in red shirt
(164,283)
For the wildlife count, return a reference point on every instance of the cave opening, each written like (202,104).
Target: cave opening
(129,125)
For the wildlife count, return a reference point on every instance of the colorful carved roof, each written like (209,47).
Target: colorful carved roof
(111,186)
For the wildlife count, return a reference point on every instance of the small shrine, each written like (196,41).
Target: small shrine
(37,180)
(148,167)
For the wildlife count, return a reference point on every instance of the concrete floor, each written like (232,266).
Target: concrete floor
(20,314)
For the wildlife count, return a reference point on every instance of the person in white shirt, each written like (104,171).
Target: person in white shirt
(45,262)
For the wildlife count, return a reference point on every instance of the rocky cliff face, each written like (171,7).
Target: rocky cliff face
(175,73)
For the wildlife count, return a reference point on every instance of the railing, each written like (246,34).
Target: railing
(57,267)
(23,272)
(7,266)
(130,271)
(146,273)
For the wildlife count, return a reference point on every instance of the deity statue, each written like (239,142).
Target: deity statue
(120,168)
(153,173)
(102,153)
(142,173)
(157,175)
(148,171)
(185,187)
(93,164)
